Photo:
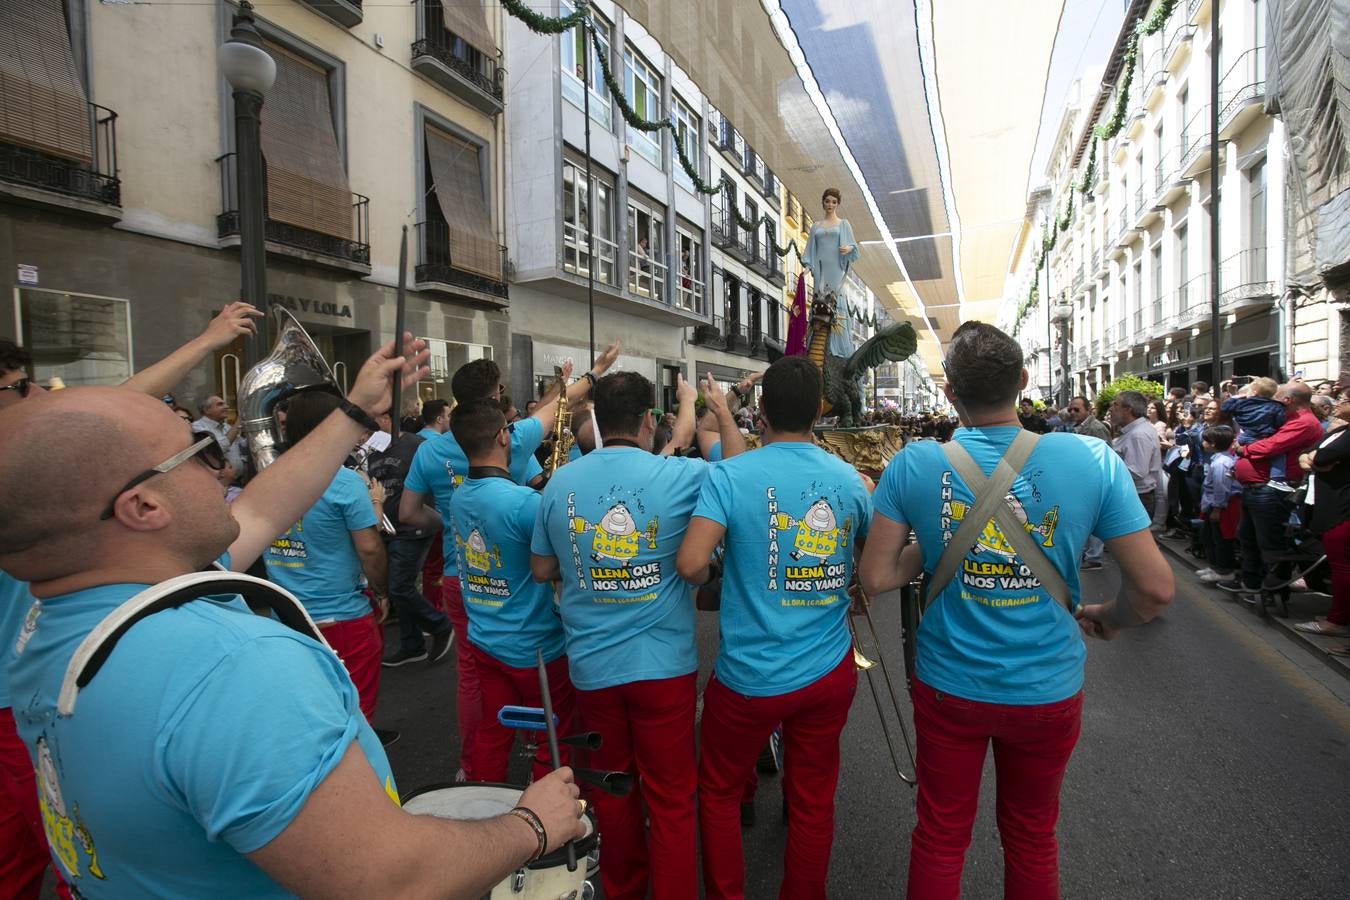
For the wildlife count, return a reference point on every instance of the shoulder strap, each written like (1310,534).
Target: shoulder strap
(98,645)
(989,504)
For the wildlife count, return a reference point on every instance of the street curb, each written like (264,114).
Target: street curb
(1315,645)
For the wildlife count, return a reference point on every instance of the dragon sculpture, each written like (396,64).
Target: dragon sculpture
(843,393)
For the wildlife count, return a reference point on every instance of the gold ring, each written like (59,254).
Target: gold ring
(583,808)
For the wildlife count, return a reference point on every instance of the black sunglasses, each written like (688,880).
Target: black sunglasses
(23,386)
(203,446)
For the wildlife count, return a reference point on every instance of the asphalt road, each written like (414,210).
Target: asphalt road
(1212,763)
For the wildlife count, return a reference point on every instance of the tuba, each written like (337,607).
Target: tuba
(295,364)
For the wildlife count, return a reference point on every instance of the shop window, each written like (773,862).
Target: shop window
(78,338)
(446,358)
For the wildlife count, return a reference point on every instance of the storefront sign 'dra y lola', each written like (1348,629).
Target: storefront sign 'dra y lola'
(304,305)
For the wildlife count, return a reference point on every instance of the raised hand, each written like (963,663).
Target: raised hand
(372,390)
(685,392)
(713,397)
(605,360)
(231,323)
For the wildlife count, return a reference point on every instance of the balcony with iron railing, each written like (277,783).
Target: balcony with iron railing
(689,295)
(346,13)
(577,259)
(1195,143)
(770,184)
(1245,281)
(646,276)
(710,335)
(437,269)
(1179,43)
(737,336)
(1124,339)
(752,167)
(1242,91)
(1156,82)
(1080,359)
(761,261)
(349,250)
(726,140)
(470,73)
(68,180)
(1193,302)
(725,231)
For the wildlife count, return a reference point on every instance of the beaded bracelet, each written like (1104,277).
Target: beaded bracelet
(528,816)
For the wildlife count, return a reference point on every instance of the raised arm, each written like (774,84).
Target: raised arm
(733,442)
(281,493)
(547,410)
(683,433)
(233,322)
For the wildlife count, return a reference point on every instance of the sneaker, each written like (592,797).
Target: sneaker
(403,657)
(1089,565)
(1280,484)
(460,776)
(1201,573)
(387,736)
(440,645)
(1298,586)
(1212,577)
(1232,587)
(770,760)
(1176,534)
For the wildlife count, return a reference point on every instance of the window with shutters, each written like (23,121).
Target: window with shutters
(308,200)
(52,138)
(456,49)
(458,241)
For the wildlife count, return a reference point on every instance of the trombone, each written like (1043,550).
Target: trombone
(910,611)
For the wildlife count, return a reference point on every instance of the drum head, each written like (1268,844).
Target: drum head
(483,800)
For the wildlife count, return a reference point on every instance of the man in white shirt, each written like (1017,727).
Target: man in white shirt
(1137,443)
(215,422)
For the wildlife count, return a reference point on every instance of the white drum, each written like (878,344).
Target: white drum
(546,878)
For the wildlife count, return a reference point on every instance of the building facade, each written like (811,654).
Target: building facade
(119,226)
(1127,284)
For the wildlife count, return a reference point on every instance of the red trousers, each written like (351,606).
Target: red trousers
(734,731)
(502,685)
(468,697)
(433,574)
(1032,745)
(647,728)
(1336,541)
(24,856)
(359,643)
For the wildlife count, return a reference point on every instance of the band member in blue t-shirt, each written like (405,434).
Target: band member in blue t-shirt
(510,614)
(791,517)
(438,469)
(998,659)
(323,556)
(215,751)
(609,527)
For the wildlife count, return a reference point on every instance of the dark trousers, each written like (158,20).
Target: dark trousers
(1219,551)
(1265,512)
(415,615)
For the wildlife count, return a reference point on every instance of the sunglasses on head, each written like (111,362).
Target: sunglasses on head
(23,386)
(203,446)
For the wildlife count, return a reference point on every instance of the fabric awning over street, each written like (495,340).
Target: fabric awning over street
(456,169)
(42,101)
(306,179)
(469,21)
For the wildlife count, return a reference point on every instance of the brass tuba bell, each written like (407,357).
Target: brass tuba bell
(295,364)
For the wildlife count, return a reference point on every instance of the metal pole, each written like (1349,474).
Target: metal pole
(591,193)
(1216,372)
(1063,399)
(252,216)
(1049,341)
(400,312)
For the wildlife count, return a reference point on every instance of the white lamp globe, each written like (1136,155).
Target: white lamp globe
(247,68)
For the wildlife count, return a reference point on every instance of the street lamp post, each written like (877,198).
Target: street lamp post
(250,72)
(1061,314)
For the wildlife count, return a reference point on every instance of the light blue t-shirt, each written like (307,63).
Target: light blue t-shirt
(510,614)
(440,466)
(715,452)
(615,519)
(198,741)
(15,604)
(316,560)
(428,434)
(994,635)
(794,515)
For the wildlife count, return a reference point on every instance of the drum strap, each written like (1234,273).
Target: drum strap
(98,645)
(990,504)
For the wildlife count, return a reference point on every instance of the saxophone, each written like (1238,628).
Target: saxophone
(562,430)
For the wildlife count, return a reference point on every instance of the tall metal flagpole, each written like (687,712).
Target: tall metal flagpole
(588,44)
(400,307)
(1216,371)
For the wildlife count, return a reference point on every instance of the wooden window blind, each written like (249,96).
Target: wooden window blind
(42,101)
(468,19)
(306,180)
(457,171)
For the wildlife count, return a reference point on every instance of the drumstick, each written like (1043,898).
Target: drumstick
(553,740)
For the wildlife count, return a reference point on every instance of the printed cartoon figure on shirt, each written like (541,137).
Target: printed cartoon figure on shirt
(617,538)
(617,545)
(481,586)
(1006,572)
(816,561)
(62,832)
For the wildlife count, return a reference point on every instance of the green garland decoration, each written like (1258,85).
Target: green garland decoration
(1152,25)
(749,225)
(541,24)
(648,126)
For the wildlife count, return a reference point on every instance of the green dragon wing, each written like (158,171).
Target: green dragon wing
(892,343)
